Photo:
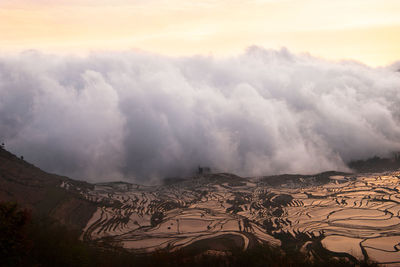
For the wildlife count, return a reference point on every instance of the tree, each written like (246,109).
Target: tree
(14,243)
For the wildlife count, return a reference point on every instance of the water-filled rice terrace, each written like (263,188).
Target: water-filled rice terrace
(355,216)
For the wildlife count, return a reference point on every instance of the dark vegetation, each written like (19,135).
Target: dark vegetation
(320,178)
(376,164)
(173,180)
(27,240)
(14,242)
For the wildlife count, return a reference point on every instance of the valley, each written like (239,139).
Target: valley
(346,214)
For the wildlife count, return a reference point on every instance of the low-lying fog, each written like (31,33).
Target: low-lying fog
(142,116)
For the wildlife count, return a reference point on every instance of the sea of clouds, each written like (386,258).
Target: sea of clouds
(141,117)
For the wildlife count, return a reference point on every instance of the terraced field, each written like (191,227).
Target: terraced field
(356,216)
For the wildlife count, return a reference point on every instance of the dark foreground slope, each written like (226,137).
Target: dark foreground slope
(42,193)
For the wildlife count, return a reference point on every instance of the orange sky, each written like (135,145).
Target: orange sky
(364,30)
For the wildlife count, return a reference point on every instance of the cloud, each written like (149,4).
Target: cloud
(139,116)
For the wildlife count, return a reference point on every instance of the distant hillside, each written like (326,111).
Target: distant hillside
(40,191)
(376,164)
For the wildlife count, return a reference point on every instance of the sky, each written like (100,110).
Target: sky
(362,30)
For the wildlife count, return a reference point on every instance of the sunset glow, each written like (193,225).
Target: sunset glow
(367,31)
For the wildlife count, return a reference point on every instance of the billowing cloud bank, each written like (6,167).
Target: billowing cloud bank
(141,116)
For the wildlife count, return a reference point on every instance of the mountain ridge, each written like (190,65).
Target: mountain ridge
(41,192)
